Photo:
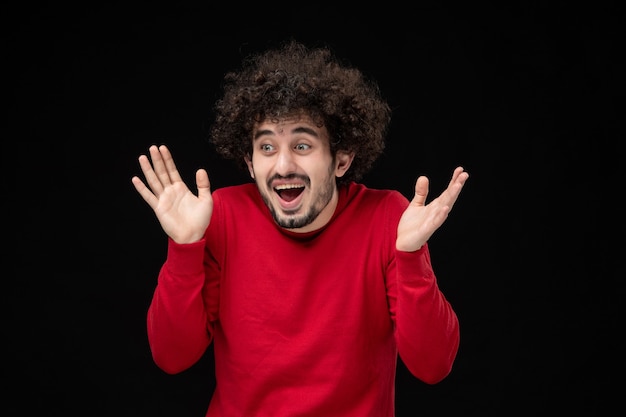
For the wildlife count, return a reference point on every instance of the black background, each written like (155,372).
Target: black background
(524,95)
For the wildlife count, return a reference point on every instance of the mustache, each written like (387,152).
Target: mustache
(303,178)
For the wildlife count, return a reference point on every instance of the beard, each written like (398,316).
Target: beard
(293,221)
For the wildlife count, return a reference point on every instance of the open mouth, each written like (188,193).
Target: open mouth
(289,192)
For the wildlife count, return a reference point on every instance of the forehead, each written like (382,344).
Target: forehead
(292,123)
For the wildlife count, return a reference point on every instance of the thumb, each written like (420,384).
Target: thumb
(421,191)
(203,183)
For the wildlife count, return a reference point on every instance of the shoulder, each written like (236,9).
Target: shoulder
(236,206)
(235,192)
(358,191)
(364,199)
(236,198)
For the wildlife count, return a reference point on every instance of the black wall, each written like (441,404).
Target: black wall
(524,95)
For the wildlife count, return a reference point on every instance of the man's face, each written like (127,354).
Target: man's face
(295,172)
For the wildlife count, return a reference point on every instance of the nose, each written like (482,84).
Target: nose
(285,162)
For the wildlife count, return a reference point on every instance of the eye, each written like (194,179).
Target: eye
(267,147)
(302,147)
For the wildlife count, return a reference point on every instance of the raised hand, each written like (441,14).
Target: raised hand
(419,221)
(183,215)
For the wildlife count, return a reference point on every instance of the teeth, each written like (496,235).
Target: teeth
(287,187)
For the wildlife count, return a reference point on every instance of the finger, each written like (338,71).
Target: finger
(145,192)
(170,166)
(152,179)
(458,179)
(421,191)
(450,195)
(459,174)
(158,164)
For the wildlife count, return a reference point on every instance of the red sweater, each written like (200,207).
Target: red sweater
(302,324)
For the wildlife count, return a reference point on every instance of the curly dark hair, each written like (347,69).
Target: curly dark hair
(292,79)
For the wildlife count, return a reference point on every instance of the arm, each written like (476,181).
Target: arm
(177,320)
(183,306)
(427,328)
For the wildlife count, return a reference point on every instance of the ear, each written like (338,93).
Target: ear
(249,163)
(343,160)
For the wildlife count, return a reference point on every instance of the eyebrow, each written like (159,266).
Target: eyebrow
(299,129)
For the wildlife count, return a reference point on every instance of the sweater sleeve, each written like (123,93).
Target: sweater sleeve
(177,321)
(427,328)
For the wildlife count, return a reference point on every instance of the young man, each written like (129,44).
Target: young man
(308,283)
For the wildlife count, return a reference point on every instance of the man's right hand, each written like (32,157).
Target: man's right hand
(183,215)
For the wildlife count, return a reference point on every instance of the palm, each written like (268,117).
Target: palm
(183,215)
